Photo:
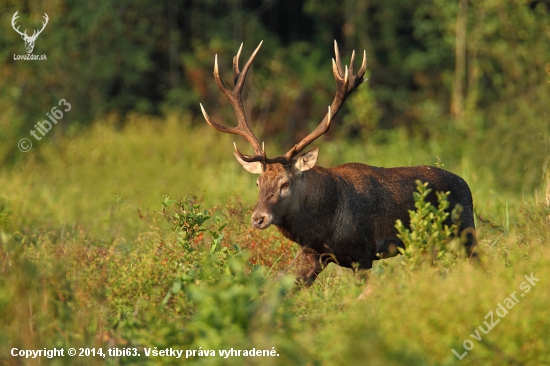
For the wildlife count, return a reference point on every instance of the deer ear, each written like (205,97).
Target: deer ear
(254,167)
(307,161)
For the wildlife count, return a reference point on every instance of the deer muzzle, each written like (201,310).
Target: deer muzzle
(261,220)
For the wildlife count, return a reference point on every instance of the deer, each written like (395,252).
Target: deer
(345,214)
(29,40)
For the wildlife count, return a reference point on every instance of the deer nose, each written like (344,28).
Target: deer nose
(258,220)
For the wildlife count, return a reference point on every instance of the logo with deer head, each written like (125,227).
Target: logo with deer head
(29,40)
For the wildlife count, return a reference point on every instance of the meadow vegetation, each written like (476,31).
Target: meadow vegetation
(139,238)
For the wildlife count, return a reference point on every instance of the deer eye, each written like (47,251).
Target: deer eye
(284,185)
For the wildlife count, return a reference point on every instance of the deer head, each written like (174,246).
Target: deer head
(29,40)
(280,177)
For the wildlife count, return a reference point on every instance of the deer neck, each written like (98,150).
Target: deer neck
(305,221)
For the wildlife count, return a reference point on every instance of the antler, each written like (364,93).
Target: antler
(24,34)
(346,83)
(235,98)
(15,16)
(43,26)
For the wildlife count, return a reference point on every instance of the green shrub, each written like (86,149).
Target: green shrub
(430,240)
(195,294)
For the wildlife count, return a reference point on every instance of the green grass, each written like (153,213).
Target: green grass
(87,259)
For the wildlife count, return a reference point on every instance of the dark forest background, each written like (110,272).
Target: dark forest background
(471,69)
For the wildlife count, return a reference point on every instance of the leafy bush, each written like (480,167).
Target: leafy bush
(430,240)
(197,295)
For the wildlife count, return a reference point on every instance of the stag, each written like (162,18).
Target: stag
(344,214)
(29,41)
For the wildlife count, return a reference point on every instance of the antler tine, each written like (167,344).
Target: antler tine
(351,62)
(14,18)
(44,23)
(242,75)
(235,98)
(221,85)
(363,68)
(249,159)
(214,124)
(13,21)
(238,153)
(236,71)
(338,60)
(346,83)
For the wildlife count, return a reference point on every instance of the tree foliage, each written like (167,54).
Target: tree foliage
(147,57)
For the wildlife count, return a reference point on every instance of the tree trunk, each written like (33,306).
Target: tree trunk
(457,104)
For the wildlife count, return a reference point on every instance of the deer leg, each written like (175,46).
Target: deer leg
(308,266)
(387,248)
